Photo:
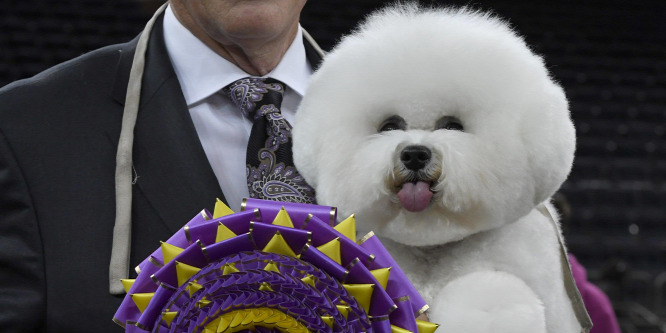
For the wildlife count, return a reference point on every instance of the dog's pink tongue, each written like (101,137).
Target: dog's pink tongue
(415,197)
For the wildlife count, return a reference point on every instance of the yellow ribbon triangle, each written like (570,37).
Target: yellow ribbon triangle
(382,275)
(169,251)
(332,250)
(221,209)
(309,279)
(229,268)
(271,267)
(225,321)
(278,245)
(238,318)
(185,272)
(127,284)
(348,227)
(265,287)
(283,219)
(426,326)
(328,320)
(203,302)
(362,293)
(223,233)
(212,326)
(396,329)
(344,309)
(260,314)
(168,316)
(193,288)
(141,300)
(249,316)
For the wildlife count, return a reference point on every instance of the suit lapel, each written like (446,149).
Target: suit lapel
(171,165)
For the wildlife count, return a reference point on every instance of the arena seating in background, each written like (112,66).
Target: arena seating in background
(610,56)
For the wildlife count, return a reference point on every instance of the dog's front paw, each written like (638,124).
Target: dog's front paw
(488,301)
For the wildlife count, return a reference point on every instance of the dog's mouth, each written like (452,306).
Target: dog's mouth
(415,196)
(415,176)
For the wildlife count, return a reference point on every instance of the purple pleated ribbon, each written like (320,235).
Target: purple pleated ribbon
(247,276)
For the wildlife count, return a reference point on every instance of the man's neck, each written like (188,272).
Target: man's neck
(255,56)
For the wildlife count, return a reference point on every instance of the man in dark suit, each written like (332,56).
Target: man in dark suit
(58,138)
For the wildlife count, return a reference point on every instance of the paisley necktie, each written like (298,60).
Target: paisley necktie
(270,170)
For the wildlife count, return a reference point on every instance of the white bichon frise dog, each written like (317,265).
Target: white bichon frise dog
(445,134)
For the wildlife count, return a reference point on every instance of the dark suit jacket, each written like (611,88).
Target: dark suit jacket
(58,136)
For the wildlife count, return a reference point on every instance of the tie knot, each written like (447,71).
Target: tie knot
(252,94)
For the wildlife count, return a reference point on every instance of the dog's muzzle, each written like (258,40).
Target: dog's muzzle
(415,172)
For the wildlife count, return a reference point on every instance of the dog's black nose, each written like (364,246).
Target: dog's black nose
(415,157)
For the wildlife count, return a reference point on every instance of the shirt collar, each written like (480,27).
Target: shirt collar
(202,72)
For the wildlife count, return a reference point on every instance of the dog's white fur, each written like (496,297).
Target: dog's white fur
(482,255)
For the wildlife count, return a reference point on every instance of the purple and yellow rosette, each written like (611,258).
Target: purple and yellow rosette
(273,267)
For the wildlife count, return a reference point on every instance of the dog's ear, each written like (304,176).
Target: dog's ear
(550,139)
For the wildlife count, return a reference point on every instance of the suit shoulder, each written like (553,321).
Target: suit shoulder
(73,90)
(93,70)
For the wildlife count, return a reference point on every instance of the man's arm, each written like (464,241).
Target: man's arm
(22,285)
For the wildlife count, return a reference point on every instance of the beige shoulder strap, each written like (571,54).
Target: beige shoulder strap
(314,44)
(569,283)
(122,229)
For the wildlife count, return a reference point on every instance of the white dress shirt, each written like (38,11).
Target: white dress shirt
(223,130)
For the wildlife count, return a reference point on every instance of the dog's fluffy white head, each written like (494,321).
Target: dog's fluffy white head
(487,132)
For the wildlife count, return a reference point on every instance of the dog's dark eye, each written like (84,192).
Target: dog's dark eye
(449,123)
(393,123)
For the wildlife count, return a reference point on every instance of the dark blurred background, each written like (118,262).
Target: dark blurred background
(610,56)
